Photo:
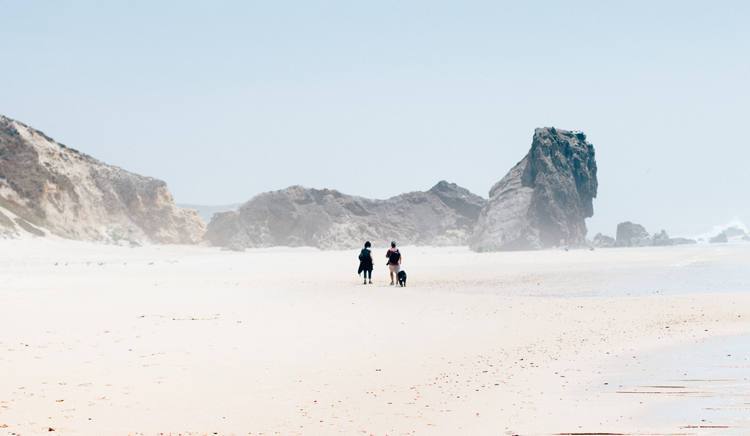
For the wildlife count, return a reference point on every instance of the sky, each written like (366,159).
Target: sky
(225,100)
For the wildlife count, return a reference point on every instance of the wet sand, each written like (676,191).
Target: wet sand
(192,340)
(706,385)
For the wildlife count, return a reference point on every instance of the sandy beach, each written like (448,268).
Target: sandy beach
(101,339)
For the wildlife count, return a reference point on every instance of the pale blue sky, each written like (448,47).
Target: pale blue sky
(225,100)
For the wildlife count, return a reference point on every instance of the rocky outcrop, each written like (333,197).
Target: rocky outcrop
(632,235)
(328,219)
(635,235)
(733,231)
(603,241)
(546,197)
(47,187)
(731,234)
(662,239)
(683,241)
(720,238)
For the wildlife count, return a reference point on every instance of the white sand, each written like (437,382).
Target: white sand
(288,341)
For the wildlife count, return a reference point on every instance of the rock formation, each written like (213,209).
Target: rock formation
(328,219)
(720,238)
(544,198)
(661,239)
(683,241)
(632,235)
(733,231)
(635,235)
(47,187)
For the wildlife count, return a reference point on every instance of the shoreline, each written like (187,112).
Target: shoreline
(288,340)
(704,385)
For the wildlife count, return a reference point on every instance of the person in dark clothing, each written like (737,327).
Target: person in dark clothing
(394,261)
(365,262)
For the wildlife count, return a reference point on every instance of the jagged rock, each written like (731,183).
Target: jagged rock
(328,219)
(746,238)
(683,241)
(546,197)
(47,185)
(662,239)
(734,231)
(720,238)
(603,241)
(632,235)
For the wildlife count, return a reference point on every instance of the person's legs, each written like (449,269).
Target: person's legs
(391,267)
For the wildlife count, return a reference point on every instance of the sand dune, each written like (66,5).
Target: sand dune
(98,339)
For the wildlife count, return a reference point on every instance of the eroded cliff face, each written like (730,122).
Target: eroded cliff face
(47,187)
(546,197)
(328,219)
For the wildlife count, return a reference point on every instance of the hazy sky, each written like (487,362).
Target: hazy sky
(225,100)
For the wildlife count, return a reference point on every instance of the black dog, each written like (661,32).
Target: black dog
(402,278)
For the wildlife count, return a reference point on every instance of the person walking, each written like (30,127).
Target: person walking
(366,262)
(394,261)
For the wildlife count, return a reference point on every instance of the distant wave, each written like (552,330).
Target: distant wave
(715,230)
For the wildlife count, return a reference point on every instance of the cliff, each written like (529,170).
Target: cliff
(47,187)
(546,197)
(328,219)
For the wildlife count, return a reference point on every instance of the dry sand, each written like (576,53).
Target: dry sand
(107,340)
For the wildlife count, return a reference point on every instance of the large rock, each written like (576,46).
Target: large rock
(659,240)
(328,219)
(546,197)
(45,185)
(734,231)
(720,238)
(632,235)
(683,241)
(662,239)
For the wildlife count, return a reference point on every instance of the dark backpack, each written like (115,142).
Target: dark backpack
(394,257)
(364,255)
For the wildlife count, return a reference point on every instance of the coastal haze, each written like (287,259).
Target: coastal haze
(185,190)
(228,101)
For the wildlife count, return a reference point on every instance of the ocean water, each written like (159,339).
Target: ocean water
(672,280)
(718,229)
(632,282)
